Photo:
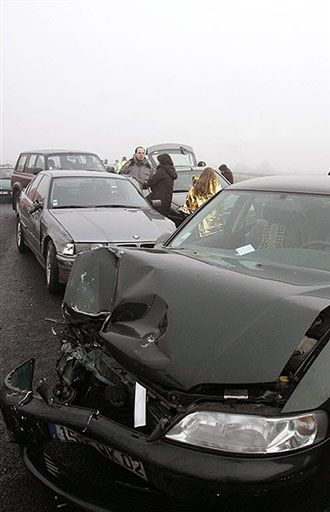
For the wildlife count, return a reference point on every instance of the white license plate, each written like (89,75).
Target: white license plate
(4,193)
(65,434)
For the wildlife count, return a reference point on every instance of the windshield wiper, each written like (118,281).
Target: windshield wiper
(114,206)
(69,206)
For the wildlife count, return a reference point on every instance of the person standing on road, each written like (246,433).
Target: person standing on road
(138,166)
(204,187)
(121,164)
(226,172)
(161,183)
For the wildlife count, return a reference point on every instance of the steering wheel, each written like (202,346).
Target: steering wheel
(316,243)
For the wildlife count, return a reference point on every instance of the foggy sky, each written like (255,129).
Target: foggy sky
(245,82)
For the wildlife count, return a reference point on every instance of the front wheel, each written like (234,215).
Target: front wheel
(51,269)
(20,237)
(16,200)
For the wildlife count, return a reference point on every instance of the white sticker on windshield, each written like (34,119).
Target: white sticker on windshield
(245,249)
(55,202)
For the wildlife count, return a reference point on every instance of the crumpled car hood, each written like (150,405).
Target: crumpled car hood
(113,224)
(202,323)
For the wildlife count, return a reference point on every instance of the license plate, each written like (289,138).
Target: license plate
(4,193)
(65,435)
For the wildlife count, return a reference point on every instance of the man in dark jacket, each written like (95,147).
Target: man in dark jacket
(138,167)
(226,172)
(161,183)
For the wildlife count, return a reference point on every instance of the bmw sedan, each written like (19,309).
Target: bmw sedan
(195,375)
(63,214)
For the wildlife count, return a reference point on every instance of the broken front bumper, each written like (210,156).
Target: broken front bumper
(184,473)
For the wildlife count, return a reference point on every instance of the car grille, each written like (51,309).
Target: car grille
(146,245)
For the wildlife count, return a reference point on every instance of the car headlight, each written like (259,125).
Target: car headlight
(68,250)
(87,246)
(242,433)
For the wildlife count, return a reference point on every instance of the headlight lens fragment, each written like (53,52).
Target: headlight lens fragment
(242,433)
(68,249)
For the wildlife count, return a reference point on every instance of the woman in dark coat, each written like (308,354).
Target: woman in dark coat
(161,183)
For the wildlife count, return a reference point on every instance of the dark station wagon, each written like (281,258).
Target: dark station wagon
(195,375)
(30,163)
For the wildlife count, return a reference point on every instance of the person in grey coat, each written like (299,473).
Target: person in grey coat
(138,167)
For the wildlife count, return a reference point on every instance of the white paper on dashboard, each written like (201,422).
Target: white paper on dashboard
(140,403)
(245,249)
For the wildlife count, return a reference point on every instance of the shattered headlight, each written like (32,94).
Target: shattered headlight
(87,246)
(68,249)
(242,433)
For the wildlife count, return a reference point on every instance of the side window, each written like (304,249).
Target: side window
(41,189)
(21,163)
(53,162)
(40,163)
(31,164)
(30,191)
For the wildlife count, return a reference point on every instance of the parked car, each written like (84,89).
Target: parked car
(6,172)
(62,214)
(185,163)
(30,163)
(201,367)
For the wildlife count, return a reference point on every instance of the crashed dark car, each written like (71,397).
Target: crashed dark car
(201,366)
(61,214)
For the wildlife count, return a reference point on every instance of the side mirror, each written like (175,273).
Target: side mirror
(37,170)
(156,203)
(35,207)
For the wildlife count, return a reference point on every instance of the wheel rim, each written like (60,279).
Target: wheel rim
(48,266)
(19,234)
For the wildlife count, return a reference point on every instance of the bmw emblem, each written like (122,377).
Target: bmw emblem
(136,237)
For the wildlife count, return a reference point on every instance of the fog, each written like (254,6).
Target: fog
(245,82)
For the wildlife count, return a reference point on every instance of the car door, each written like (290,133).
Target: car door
(25,203)
(39,205)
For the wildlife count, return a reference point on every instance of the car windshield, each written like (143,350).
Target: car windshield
(78,161)
(185,180)
(181,157)
(255,230)
(89,192)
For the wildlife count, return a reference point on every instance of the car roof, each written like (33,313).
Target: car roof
(169,145)
(306,184)
(81,174)
(57,151)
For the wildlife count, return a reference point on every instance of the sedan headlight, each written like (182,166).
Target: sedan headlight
(68,250)
(87,246)
(242,433)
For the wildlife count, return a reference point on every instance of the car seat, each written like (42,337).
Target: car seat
(281,226)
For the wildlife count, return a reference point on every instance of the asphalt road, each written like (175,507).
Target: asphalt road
(25,303)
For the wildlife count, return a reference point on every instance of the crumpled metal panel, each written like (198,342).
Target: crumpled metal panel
(221,326)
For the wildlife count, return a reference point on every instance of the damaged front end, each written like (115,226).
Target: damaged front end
(171,428)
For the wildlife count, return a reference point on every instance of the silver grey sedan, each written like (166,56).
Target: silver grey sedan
(63,214)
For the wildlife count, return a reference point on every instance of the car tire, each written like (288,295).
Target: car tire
(15,200)
(20,242)
(52,281)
